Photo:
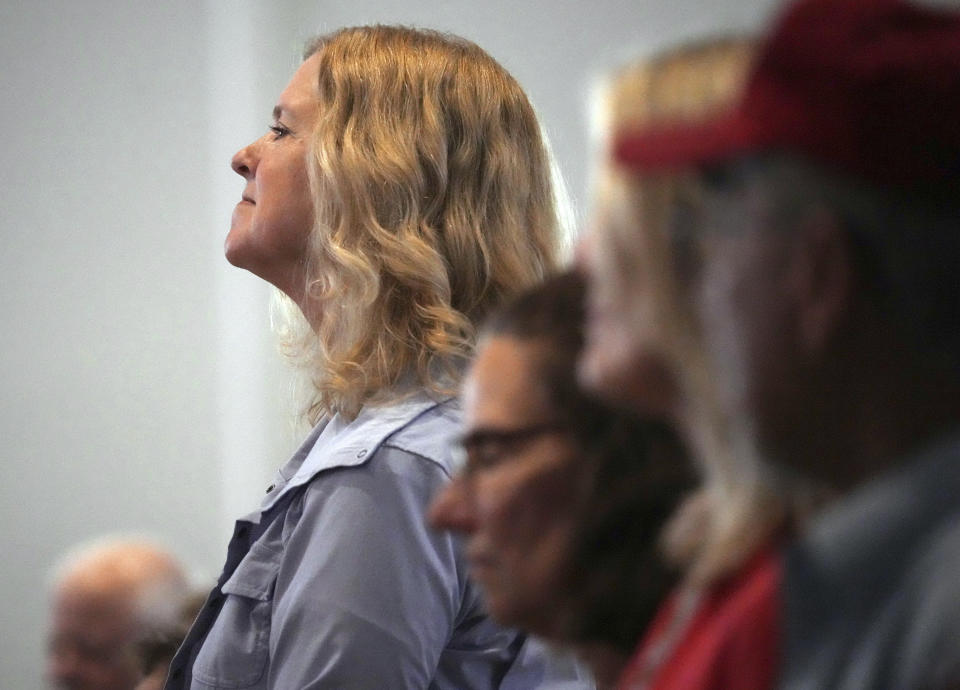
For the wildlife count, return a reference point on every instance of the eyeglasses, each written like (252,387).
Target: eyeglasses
(485,448)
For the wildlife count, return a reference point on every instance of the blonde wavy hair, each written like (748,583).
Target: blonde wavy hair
(741,502)
(433,195)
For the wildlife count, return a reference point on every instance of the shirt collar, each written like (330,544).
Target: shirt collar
(336,442)
(887,514)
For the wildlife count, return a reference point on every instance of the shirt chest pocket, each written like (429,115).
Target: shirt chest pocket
(237,648)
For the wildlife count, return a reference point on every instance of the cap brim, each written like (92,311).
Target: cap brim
(682,146)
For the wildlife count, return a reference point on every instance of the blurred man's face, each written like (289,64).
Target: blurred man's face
(744,297)
(91,641)
(624,355)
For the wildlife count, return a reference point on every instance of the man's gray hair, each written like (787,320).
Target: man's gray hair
(905,242)
(133,567)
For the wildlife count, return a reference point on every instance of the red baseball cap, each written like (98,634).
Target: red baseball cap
(868,87)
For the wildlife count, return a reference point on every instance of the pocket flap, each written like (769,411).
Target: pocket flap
(255,575)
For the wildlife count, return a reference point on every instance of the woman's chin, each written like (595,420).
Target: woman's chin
(601,368)
(635,381)
(239,252)
(233,248)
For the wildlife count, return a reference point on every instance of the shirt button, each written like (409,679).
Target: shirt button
(271,488)
(361,453)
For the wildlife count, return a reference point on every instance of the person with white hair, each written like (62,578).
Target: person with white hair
(106,597)
(822,253)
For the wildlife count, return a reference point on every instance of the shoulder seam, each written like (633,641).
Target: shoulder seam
(437,463)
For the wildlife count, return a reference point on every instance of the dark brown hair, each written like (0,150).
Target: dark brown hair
(636,470)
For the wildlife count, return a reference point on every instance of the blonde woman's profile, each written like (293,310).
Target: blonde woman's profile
(402,190)
(644,351)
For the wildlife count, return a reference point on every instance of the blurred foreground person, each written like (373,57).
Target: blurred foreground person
(824,253)
(562,498)
(108,596)
(720,628)
(402,190)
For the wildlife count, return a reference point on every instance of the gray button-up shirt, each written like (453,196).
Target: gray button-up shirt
(872,589)
(338,582)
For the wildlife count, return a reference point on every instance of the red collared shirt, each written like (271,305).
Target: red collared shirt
(731,640)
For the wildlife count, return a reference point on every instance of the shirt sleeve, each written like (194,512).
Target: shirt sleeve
(367,595)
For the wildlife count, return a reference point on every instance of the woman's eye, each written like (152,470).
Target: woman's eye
(279,131)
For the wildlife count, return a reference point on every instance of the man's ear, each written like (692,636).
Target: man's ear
(822,277)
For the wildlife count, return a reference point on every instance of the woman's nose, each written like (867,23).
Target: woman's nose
(244,161)
(584,249)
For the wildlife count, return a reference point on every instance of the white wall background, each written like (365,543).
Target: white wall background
(141,391)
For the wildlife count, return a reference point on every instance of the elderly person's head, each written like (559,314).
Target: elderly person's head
(644,348)
(562,498)
(825,247)
(638,320)
(107,597)
(403,189)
